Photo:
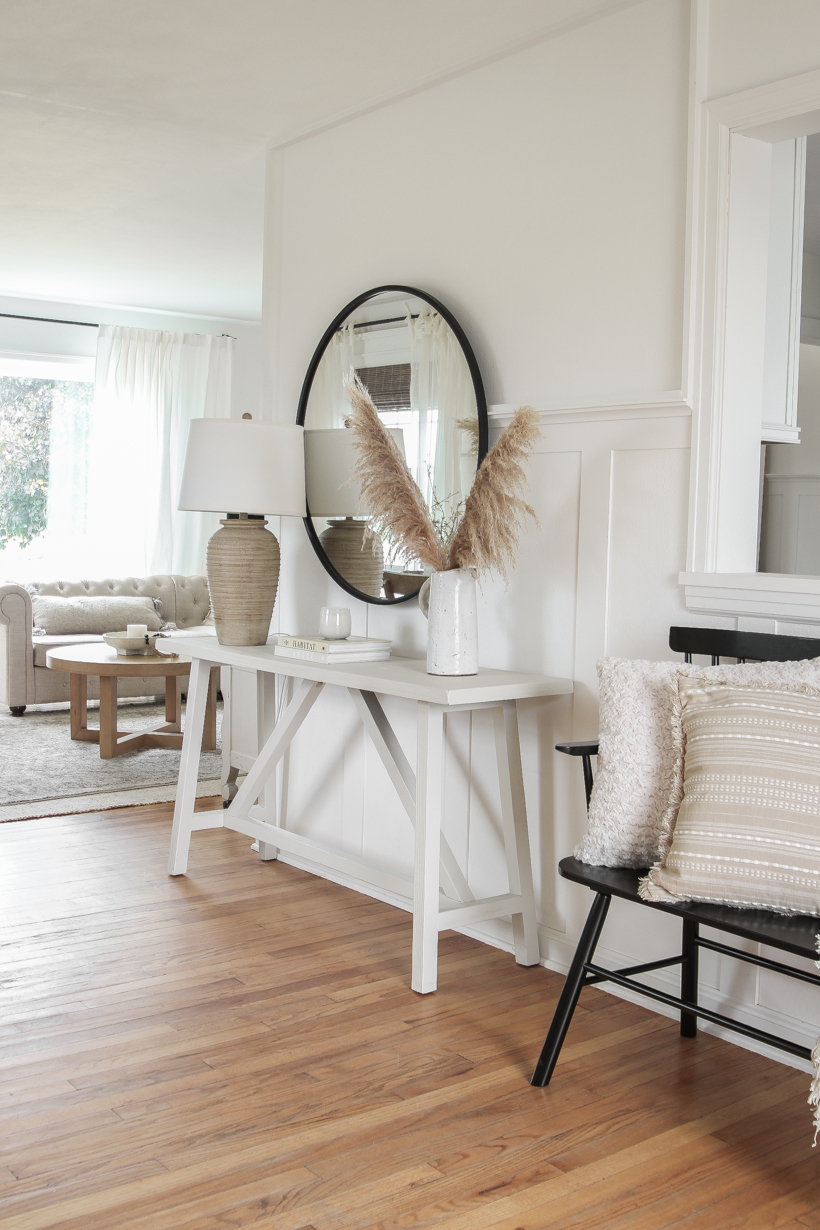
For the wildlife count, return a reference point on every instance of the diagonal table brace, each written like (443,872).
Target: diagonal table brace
(403,778)
(264,766)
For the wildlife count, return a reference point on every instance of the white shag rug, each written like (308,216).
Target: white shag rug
(43,772)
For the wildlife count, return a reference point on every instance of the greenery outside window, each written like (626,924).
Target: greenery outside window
(45,416)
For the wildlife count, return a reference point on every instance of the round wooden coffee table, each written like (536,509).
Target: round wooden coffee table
(80,661)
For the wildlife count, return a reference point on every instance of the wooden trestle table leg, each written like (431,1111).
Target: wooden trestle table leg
(78,693)
(198,689)
(209,729)
(173,710)
(429,792)
(108,716)
(516,836)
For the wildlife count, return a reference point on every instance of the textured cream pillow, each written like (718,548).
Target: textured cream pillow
(64,616)
(636,763)
(748,827)
(637,788)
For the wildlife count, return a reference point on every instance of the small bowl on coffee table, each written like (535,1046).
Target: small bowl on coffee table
(131,646)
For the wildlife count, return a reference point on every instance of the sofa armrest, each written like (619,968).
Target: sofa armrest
(16,650)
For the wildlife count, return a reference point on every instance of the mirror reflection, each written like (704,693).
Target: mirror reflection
(418,375)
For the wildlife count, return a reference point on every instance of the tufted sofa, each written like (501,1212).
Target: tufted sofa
(24,677)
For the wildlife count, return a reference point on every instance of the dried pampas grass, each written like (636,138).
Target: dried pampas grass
(397,506)
(494,513)
(470,428)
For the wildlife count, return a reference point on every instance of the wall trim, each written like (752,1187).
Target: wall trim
(544,34)
(755,595)
(723,499)
(660,405)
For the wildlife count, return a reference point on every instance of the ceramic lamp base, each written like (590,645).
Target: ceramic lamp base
(243,575)
(357,555)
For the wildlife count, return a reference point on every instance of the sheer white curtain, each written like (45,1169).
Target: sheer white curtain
(441,393)
(148,386)
(327,405)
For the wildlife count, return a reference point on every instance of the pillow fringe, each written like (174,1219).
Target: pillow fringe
(814,1091)
(666,828)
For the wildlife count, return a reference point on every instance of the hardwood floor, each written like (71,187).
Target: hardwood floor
(240,1047)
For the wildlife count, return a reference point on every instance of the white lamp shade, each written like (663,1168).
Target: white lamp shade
(330,460)
(242,466)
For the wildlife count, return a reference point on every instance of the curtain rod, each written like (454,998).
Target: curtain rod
(85,324)
(389,320)
(51,320)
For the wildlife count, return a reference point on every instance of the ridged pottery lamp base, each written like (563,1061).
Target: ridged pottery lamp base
(243,576)
(355,553)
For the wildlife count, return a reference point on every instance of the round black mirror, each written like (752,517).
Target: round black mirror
(420,371)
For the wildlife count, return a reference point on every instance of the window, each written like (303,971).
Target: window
(45,410)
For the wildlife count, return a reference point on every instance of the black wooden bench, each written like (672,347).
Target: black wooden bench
(790,934)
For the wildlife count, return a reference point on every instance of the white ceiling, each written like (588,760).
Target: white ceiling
(133,132)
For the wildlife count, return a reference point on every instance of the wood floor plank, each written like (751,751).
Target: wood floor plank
(240,1047)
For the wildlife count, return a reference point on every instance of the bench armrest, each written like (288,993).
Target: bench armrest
(586,748)
(583,747)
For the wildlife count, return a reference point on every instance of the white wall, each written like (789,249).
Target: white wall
(37,337)
(752,42)
(542,198)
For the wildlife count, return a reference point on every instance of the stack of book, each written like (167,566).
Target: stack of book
(320,649)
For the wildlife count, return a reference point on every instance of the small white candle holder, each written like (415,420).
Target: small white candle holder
(335,623)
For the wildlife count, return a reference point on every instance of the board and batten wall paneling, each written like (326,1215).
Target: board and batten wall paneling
(609,489)
(641,546)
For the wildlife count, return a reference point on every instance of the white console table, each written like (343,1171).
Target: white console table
(440,895)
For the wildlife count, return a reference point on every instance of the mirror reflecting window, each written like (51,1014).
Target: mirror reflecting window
(422,376)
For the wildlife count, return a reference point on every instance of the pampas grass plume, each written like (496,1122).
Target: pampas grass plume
(396,505)
(494,512)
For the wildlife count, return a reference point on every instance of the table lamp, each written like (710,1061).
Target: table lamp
(244,469)
(355,552)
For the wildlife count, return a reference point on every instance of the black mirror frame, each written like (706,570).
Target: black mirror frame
(481,409)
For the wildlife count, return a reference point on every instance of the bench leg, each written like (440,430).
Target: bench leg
(572,989)
(689,978)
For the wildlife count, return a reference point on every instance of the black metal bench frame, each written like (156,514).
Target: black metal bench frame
(791,934)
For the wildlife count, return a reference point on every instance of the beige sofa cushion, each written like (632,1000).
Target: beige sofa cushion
(193,601)
(58,616)
(162,586)
(42,644)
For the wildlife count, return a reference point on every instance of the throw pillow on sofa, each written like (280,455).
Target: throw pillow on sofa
(55,616)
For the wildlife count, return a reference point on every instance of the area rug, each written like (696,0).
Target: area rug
(43,772)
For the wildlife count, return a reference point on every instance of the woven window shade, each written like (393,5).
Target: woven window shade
(389,386)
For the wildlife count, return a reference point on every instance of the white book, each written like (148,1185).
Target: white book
(322,644)
(311,655)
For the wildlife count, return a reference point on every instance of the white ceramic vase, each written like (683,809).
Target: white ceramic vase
(448,599)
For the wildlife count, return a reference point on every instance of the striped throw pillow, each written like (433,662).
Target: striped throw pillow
(748,828)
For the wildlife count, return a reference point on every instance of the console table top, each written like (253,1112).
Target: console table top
(405,677)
